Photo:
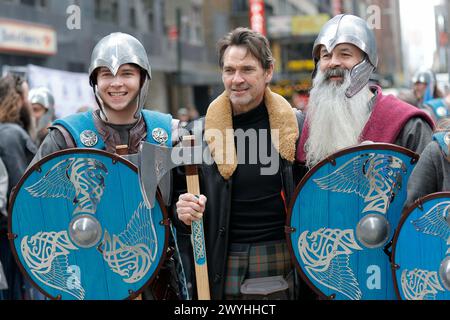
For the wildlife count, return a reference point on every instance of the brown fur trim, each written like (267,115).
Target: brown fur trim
(219,126)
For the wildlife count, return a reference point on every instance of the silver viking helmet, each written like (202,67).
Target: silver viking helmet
(427,77)
(351,29)
(424,76)
(44,97)
(114,51)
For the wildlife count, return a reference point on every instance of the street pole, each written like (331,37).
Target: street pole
(179,58)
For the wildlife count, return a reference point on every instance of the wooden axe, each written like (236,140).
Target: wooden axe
(197,235)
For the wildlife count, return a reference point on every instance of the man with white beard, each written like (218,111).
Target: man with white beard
(343,109)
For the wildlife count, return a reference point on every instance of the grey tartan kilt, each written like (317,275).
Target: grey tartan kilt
(250,261)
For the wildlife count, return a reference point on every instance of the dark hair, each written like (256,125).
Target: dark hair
(18,80)
(10,99)
(255,42)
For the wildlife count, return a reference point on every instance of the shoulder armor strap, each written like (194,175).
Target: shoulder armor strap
(70,143)
(79,124)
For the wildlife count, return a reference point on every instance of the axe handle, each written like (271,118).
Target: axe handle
(198,239)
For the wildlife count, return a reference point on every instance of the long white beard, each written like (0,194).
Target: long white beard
(335,121)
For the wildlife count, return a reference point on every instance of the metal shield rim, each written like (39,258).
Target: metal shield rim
(115,158)
(372,146)
(405,215)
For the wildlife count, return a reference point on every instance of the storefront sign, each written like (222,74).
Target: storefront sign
(300,65)
(28,38)
(279,25)
(308,25)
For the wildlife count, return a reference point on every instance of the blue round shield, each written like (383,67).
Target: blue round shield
(421,250)
(80,229)
(343,216)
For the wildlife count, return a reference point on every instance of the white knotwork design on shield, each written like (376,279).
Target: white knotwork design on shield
(81,180)
(131,253)
(198,241)
(326,254)
(420,284)
(436,222)
(46,254)
(375,177)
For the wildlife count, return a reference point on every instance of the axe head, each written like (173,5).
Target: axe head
(155,161)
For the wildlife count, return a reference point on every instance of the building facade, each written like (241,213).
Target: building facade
(442,14)
(77,25)
(383,16)
(291,27)
(179,36)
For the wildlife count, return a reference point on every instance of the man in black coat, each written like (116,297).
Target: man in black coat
(250,133)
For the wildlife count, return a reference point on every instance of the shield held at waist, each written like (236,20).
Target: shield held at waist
(342,219)
(421,250)
(80,229)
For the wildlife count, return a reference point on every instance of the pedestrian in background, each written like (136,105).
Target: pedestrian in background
(43,107)
(16,150)
(432,172)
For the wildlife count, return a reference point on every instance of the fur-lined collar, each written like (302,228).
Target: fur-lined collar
(219,126)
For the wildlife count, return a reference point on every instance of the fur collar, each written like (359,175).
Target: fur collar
(219,126)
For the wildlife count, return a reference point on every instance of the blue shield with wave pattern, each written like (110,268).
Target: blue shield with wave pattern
(421,250)
(81,230)
(343,217)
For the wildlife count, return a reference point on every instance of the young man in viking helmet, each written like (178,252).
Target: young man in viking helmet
(343,109)
(119,74)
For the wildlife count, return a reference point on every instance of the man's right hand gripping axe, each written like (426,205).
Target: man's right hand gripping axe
(154,163)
